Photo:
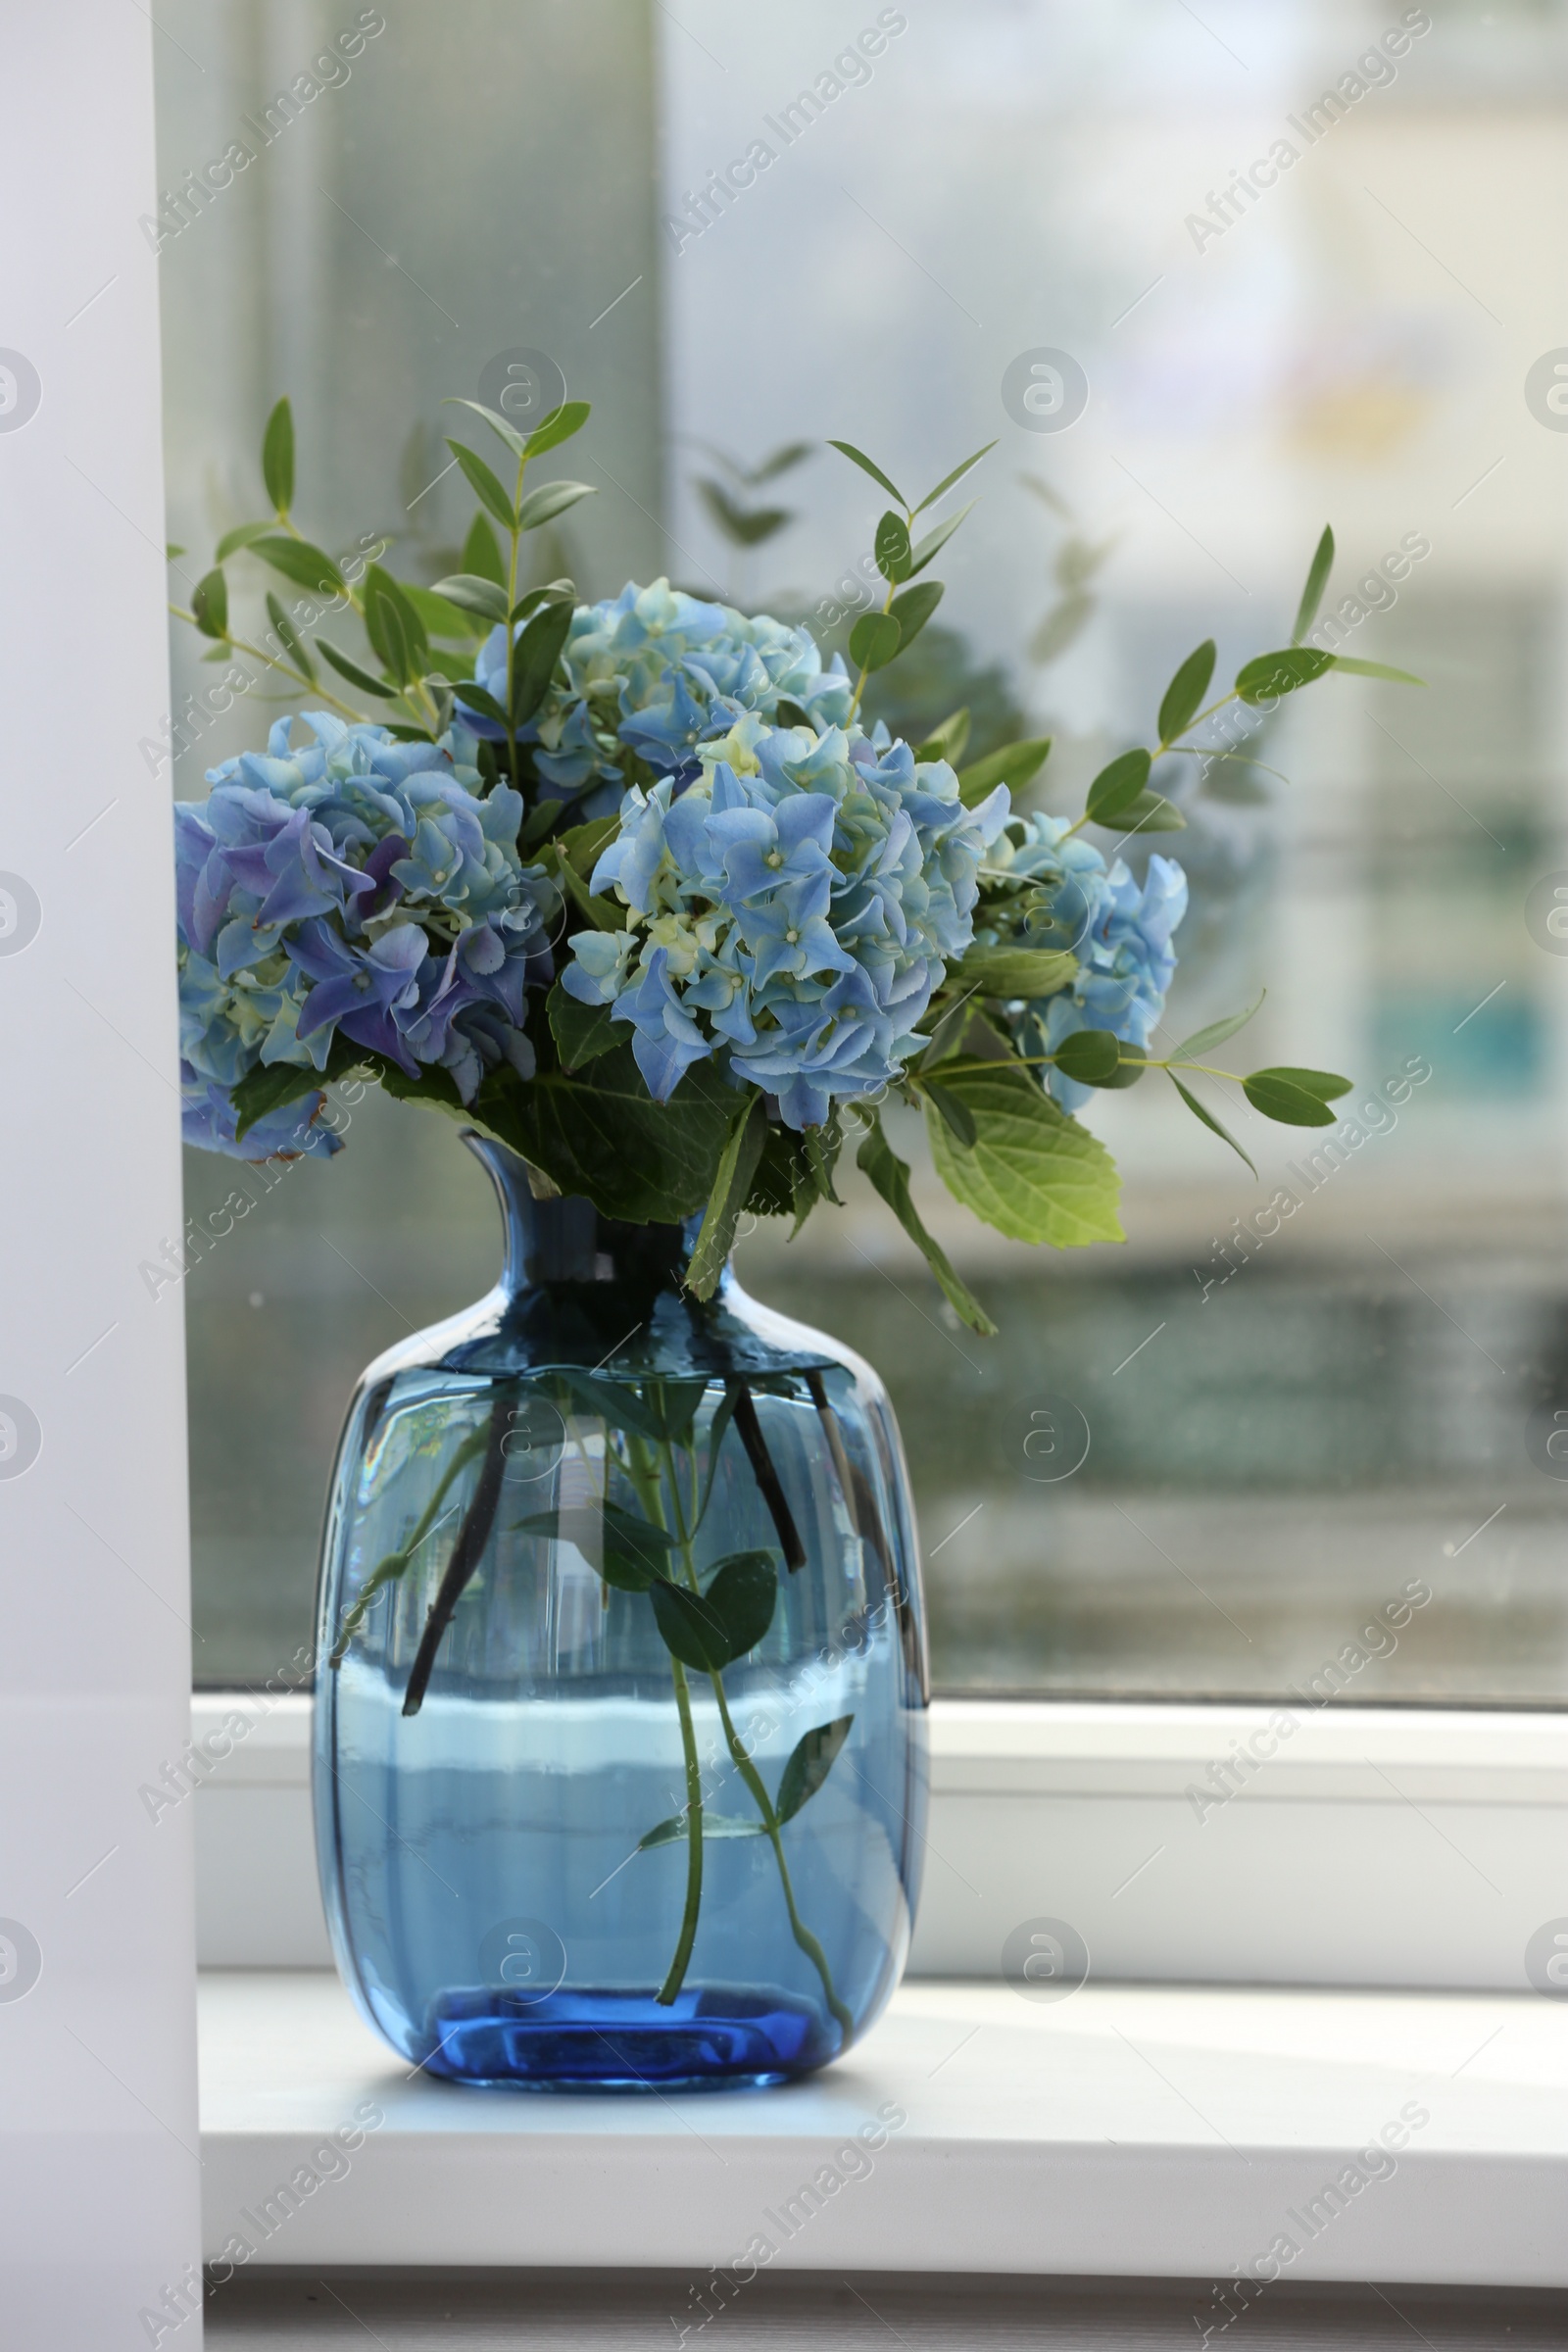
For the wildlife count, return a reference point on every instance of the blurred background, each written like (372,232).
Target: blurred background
(1202,1463)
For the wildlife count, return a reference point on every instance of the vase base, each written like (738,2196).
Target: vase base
(710,2038)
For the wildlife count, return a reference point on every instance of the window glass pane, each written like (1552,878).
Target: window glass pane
(1299,1431)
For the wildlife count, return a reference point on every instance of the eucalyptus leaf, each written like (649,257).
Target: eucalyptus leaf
(560,425)
(481,553)
(732,1182)
(947,742)
(475,594)
(948,479)
(1375,669)
(927,549)
(677,1829)
(1151,812)
(858,456)
(550,499)
(534,662)
(500,425)
(1117,786)
(475,697)
(1088,1057)
(878,1159)
(1033,1173)
(355,675)
(1203,1041)
(277,457)
(289,637)
(1184,695)
(209,602)
(1317,578)
(913,608)
(892,547)
(1295,1098)
(298,561)
(874,640)
(631,1552)
(484,485)
(438,616)
(1284,672)
(244,534)
(1010,972)
(1209,1121)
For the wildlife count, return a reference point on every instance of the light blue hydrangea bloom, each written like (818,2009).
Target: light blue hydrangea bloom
(792,909)
(358,886)
(1119,930)
(652,671)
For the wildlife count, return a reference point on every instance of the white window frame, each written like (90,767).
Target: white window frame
(1358,1846)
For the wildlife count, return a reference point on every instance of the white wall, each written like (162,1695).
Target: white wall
(99,2208)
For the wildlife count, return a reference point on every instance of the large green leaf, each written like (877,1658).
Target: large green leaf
(878,1159)
(811,1761)
(711,1629)
(273,1084)
(1033,1172)
(277,457)
(582,1032)
(602,1134)
(1184,695)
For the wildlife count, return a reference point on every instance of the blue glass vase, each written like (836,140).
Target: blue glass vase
(621,1771)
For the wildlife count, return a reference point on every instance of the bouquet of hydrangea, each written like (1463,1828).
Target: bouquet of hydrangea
(632,886)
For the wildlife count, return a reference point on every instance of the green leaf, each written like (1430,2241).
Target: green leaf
(1117,786)
(1203,1041)
(957,476)
(355,675)
(1295,1098)
(292,642)
(878,1159)
(956,1113)
(298,561)
(811,1761)
(550,499)
(947,742)
(1209,1120)
(1029,972)
(677,1829)
(394,627)
(1317,577)
(498,424)
(732,1182)
(1088,1057)
(927,549)
(558,427)
(711,1629)
(474,697)
(741,526)
(1131,1064)
(582,845)
(604,914)
(438,616)
(484,485)
(858,456)
(244,534)
(473,593)
(209,602)
(1033,1173)
(602,1134)
(277,457)
(171,548)
(582,1032)
(271,1084)
(1374,669)
(673,1404)
(611,1400)
(1184,695)
(534,662)
(1013,765)
(554,591)
(1151,812)
(1273,674)
(890,547)
(913,608)
(874,640)
(481,553)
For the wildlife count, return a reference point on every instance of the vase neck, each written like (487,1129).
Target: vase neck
(563,1240)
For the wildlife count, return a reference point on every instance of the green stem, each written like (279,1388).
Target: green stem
(671,1985)
(511,652)
(770,1822)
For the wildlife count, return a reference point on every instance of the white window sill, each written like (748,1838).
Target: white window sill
(1376,1846)
(1127,2130)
